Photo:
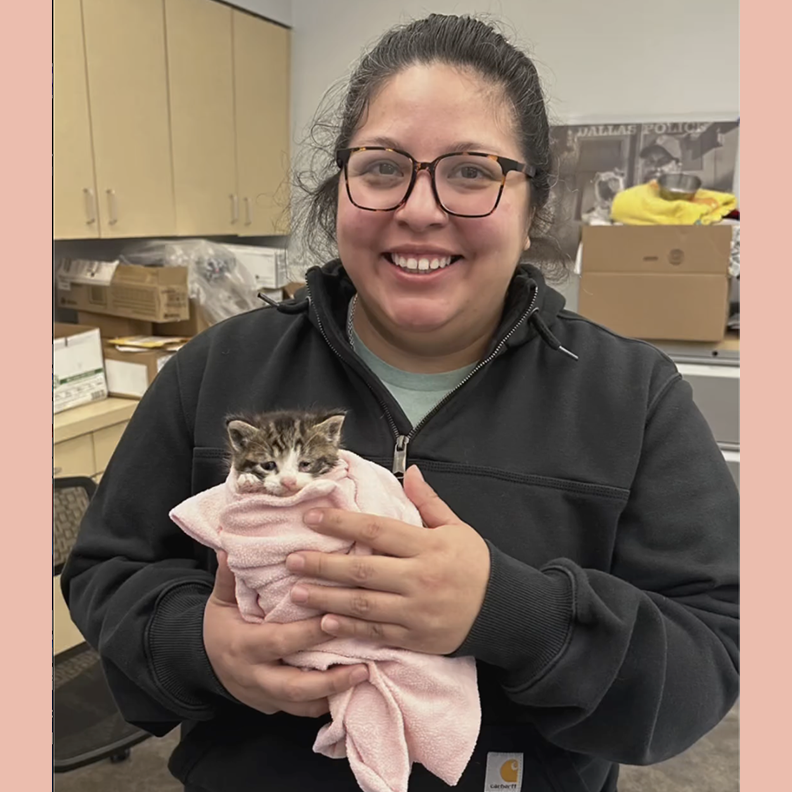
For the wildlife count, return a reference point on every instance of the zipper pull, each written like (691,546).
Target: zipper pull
(400,456)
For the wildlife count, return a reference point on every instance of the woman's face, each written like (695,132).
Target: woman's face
(428,111)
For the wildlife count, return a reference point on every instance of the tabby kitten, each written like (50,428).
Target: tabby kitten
(280,452)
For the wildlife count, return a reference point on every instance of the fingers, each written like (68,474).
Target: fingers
(380,573)
(224,591)
(387,634)
(434,511)
(382,534)
(357,603)
(287,686)
(271,642)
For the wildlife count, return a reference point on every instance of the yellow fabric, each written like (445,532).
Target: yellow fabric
(642,205)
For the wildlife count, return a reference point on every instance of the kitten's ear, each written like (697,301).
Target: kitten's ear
(331,427)
(239,433)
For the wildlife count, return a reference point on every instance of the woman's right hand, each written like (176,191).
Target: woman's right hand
(246,656)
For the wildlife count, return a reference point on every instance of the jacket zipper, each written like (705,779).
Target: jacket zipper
(400,455)
(399,466)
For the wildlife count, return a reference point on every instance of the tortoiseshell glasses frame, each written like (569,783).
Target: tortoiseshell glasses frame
(506,165)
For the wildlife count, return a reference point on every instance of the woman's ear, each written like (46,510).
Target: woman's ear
(529,225)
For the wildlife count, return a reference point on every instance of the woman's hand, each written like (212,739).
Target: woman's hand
(423,592)
(246,657)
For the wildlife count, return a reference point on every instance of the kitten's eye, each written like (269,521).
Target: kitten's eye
(269,467)
(305,465)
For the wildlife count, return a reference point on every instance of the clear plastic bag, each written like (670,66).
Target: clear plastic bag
(216,280)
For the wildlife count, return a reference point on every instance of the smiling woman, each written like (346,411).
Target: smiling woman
(580,525)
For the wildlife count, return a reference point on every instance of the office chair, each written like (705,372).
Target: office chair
(87,726)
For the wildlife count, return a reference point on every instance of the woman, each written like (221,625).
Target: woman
(584,542)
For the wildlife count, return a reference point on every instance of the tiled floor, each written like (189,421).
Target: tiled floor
(710,766)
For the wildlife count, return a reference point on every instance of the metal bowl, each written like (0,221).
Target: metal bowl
(678,186)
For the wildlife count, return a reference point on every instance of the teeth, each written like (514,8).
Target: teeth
(423,264)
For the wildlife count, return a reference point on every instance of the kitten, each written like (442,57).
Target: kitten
(280,452)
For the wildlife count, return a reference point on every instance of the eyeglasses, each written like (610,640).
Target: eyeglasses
(465,184)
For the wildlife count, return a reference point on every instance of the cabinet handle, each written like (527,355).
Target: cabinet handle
(111,207)
(249,219)
(90,205)
(234,208)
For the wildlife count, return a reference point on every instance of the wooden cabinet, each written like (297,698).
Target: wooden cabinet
(85,437)
(65,634)
(105,441)
(75,211)
(74,457)
(229,97)
(84,440)
(171,118)
(201,80)
(127,86)
(261,87)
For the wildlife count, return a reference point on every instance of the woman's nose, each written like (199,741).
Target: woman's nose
(421,209)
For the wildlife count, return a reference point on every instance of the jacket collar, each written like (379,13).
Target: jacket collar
(329,291)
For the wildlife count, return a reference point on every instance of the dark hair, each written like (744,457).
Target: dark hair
(461,41)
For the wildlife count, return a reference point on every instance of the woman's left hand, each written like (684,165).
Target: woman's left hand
(422,590)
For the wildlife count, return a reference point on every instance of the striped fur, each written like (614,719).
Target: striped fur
(283,451)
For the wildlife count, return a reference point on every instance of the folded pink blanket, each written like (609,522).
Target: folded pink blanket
(414,707)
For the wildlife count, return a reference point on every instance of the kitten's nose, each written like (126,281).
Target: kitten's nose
(289,482)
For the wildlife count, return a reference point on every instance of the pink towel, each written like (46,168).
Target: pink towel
(414,707)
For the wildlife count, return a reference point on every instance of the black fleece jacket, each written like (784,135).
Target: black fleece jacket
(609,631)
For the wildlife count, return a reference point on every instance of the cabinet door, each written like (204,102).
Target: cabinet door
(74,457)
(64,632)
(261,80)
(201,80)
(127,86)
(74,210)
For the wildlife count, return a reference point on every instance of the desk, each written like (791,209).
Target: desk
(84,439)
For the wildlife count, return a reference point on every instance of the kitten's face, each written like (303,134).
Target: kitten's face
(282,452)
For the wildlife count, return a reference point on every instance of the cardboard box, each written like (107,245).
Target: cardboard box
(114,326)
(666,283)
(187,328)
(78,375)
(268,266)
(154,294)
(129,374)
(290,289)
(199,321)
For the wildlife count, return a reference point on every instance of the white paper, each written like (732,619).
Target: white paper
(83,271)
(161,361)
(123,377)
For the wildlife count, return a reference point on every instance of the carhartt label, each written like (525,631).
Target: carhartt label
(504,772)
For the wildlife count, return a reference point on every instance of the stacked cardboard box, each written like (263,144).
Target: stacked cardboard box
(129,291)
(140,315)
(132,363)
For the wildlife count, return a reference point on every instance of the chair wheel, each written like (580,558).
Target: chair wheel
(119,757)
